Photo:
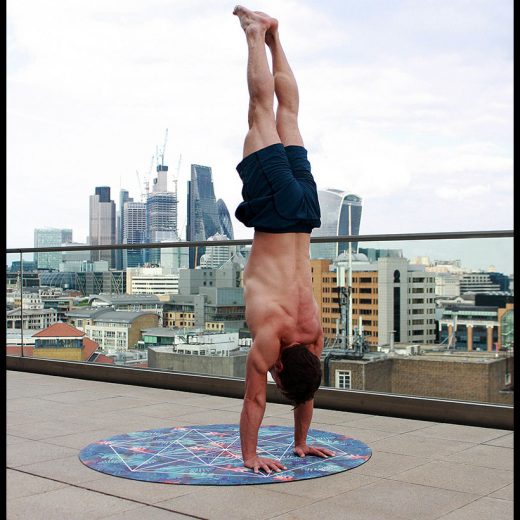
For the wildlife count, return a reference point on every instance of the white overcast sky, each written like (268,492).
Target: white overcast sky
(407,103)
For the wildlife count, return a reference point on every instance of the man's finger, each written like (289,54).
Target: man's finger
(276,465)
(323,452)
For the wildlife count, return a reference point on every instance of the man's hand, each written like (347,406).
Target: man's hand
(303,449)
(257,463)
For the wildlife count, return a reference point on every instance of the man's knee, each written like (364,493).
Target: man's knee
(261,115)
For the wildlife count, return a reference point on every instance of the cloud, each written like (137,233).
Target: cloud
(401,97)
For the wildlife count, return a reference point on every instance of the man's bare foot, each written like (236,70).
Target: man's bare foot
(271,33)
(254,19)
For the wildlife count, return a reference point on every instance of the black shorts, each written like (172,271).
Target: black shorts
(279,191)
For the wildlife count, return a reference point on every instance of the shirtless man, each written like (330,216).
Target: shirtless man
(281,203)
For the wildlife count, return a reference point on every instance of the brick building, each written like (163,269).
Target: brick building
(469,377)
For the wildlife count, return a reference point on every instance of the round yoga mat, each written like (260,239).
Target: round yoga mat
(210,455)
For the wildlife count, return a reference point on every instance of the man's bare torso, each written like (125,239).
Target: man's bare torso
(278,288)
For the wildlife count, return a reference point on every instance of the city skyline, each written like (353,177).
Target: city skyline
(408,104)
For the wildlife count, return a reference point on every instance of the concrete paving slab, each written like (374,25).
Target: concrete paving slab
(459,477)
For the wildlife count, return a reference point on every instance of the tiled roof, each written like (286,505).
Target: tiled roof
(100,358)
(89,347)
(59,330)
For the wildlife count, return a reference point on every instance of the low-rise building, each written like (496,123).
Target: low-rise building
(480,377)
(217,353)
(61,341)
(129,302)
(390,299)
(30,318)
(120,330)
(152,280)
(477,321)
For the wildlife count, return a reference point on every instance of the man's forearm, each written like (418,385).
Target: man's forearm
(250,421)
(302,422)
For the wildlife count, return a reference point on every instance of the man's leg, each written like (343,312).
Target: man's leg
(262,124)
(286,90)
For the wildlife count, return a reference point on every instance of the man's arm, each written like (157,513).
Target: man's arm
(302,422)
(303,417)
(254,405)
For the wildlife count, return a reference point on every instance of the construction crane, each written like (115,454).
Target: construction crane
(147,180)
(176,178)
(161,153)
(143,197)
(144,186)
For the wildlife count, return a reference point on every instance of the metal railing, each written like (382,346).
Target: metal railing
(447,235)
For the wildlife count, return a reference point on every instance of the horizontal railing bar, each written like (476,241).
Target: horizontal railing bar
(448,235)
(467,413)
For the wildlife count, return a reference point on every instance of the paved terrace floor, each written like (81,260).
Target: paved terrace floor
(418,471)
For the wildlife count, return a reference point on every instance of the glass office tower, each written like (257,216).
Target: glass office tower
(50,237)
(205,216)
(134,232)
(120,224)
(334,206)
(102,224)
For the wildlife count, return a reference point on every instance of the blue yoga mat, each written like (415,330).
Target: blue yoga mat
(210,455)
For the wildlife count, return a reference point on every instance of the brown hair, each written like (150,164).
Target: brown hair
(300,376)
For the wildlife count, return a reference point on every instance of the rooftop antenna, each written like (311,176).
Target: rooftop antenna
(350,277)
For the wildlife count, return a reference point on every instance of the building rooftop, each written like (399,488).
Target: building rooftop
(419,470)
(122,316)
(59,329)
(126,298)
(86,312)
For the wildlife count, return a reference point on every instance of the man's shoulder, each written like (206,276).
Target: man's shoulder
(261,358)
(266,346)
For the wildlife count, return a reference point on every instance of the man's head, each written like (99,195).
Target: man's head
(297,374)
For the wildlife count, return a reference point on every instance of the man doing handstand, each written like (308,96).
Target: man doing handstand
(281,203)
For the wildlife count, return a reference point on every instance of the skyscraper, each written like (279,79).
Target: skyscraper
(334,205)
(161,214)
(120,224)
(205,216)
(50,237)
(224,219)
(134,232)
(102,224)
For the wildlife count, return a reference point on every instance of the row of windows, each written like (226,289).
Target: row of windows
(113,334)
(426,332)
(180,324)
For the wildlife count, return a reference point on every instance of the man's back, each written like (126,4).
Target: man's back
(278,288)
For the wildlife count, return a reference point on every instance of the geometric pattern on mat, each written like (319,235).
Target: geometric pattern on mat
(210,455)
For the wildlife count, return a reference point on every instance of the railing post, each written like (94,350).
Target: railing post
(21,303)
